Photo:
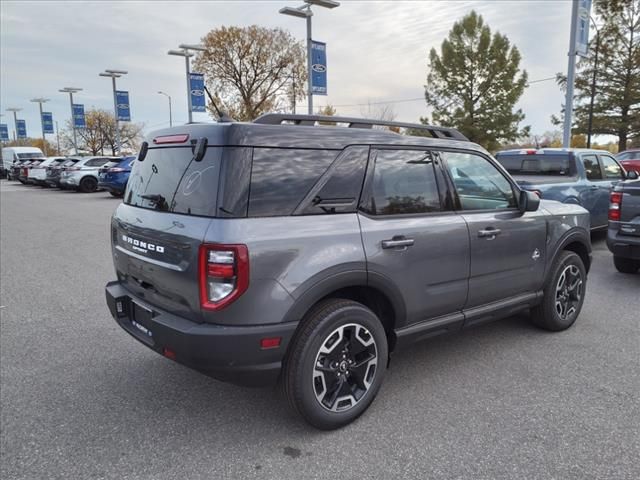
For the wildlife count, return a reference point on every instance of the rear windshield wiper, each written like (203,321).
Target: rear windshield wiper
(159,201)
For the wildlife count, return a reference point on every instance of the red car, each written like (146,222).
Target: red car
(630,159)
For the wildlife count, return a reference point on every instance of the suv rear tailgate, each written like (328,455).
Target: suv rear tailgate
(156,257)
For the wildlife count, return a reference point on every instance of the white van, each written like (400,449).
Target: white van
(13,154)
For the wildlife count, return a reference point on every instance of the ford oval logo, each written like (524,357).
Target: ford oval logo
(123,106)
(197,93)
(318,67)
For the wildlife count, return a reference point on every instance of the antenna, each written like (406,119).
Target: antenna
(222,117)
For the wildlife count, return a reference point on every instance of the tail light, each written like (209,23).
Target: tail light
(224,274)
(115,169)
(615,204)
(72,169)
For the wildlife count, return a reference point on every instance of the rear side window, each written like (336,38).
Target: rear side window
(535,164)
(281,178)
(404,182)
(169,180)
(592,167)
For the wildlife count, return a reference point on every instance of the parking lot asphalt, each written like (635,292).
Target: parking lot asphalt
(81,399)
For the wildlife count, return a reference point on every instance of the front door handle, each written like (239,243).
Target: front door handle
(398,242)
(489,233)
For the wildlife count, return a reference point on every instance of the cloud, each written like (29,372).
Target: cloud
(377,50)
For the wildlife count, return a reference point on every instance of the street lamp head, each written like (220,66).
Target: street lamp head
(198,48)
(110,75)
(117,72)
(323,3)
(39,100)
(70,90)
(13,109)
(296,12)
(180,53)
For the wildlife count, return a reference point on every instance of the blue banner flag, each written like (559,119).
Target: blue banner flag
(582,28)
(21,127)
(318,68)
(196,87)
(47,122)
(4,132)
(78,116)
(122,102)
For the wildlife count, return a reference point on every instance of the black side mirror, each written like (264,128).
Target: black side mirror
(529,201)
(632,175)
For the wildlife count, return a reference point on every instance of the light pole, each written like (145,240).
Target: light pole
(40,101)
(593,82)
(15,120)
(185,51)
(115,74)
(305,12)
(169,97)
(71,91)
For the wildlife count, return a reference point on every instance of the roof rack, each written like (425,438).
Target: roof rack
(310,121)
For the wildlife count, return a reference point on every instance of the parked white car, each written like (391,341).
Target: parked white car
(38,173)
(83,175)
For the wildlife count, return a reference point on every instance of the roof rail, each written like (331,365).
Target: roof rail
(310,121)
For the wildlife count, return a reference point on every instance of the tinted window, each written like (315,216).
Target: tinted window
(338,190)
(538,164)
(169,180)
(592,167)
(403,182)
(28,155)
(233,197)
(97,162)
(611,167)
(281,178)
(479,184)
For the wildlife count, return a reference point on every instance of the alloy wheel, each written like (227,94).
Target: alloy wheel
(568,291)
(345,367)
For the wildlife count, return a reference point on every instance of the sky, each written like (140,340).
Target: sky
(377,51)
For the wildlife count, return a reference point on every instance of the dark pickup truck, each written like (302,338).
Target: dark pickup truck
(623,237)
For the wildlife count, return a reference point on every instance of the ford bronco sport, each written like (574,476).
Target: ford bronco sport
(306,249)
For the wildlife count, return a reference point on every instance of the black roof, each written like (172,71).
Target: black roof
(273,133)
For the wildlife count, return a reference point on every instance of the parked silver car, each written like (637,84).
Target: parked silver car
(83,175)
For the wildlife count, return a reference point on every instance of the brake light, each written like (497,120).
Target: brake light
(224,274)
(116,170)
(71,169)
(171,139)
(615,205)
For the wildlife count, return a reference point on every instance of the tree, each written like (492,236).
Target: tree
(328,111)
(616,106)
(252,70)
(475,82)
(100,134)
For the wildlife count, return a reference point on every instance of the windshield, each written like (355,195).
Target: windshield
(29,155)
(536,164)
(169,180)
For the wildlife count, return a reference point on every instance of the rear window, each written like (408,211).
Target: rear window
(70,162)
(536,164)
(169,180)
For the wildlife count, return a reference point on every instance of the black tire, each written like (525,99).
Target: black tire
(355,377)
(626,265)
(88,185)
(116,194)
(563,297)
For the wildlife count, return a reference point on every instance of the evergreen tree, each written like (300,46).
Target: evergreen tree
(475,82)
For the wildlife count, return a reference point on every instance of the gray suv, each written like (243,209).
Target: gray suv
(305,249)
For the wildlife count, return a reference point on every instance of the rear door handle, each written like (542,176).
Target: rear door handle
(489,233)
(398,242)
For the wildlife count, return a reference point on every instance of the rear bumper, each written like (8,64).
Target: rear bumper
(111,186)
(229,354)
(625,246)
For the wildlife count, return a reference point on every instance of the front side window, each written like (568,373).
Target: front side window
(611,168)
(404,182)
(479,184)
(592,167)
